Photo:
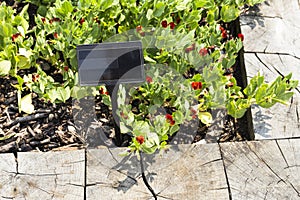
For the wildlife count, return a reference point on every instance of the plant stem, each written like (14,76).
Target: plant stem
(145,179)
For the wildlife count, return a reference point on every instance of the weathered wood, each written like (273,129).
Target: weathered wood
(273,27)
(183,172)
(7,172)
(51,175)
(281,121)
(275,52)
(263,169)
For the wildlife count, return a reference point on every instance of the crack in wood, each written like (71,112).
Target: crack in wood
(225,172)
(260,60)
(262,16)
(263,161)
(215,160)
(3,197)
(85,174)
(282,154)
(272,53)
(17,163)
(270,168)
(297,114)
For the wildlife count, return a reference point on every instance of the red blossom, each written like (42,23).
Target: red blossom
(172,25)
(56,19)
(224,34)
(103,92)
(203,52)
(149,79)
(43,19)
(123,115)
(194,113)
(142,33)
(170,119)
(138,28)
(222,29)
(15,36)
(140,139)
(66,68)
(241,36)
(188,49)
(164,24)
(55,35)
(81,20)
(196,85)
(35,77)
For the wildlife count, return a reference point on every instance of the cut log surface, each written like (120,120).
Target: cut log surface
(7,172)
(272,27)
(51,175)
(272,46)
(263,169)
(183,172)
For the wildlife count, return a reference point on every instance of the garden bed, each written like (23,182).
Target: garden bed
(37,112)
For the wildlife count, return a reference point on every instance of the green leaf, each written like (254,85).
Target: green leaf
(149,14)
(208,4)
(52,94)
(229,13)
(63,93)
(173,129)
(205,117)
(178,117)
(106,100)
(66,7)
(6,30)
(26,104)
(5,66)
(159,9)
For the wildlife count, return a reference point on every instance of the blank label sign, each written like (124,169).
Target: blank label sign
(109,63)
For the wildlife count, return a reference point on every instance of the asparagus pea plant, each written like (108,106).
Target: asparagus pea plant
(189,52)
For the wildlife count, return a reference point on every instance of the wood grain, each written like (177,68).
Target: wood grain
(280,121)
(183,172)
(259,169)
(51,175)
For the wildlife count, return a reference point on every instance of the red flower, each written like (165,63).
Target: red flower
(138,28)
(172,25)
(81,20)
(15,36)
(43,19)
(224,34)
(164,24)
(56,19)
(203,52)
(35,77)
(123,115)
(149,79)
(66,68)
(142,33)
(103,92)
(222,29)
(170,119)
(55,35)
(196,85)
(194,113)
(140,139)
(241,36)
(188,49)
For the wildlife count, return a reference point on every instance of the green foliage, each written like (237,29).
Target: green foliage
(178,37)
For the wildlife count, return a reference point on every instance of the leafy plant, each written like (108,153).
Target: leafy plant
(189,51)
